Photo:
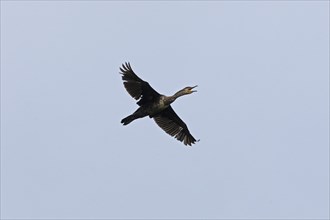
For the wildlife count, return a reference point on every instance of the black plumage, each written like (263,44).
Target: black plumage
(155,105)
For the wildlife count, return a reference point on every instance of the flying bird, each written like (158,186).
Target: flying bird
(155,105)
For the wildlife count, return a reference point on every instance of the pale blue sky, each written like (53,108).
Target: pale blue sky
(261,110)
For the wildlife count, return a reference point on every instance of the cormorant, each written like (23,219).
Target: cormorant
(155,105)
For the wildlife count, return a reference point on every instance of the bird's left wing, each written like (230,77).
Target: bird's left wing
(172,124)
(136,87)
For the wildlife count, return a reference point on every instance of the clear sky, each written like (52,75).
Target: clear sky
(261,111)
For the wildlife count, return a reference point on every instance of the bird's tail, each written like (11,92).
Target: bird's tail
(128,119)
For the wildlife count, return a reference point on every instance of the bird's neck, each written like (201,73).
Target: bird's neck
(179,93)
(170,99)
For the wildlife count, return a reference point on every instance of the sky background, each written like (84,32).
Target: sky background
(261,111)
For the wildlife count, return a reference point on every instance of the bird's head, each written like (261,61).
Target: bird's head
(189,89)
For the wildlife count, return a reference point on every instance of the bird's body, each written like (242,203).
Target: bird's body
(156,106)
(149,109)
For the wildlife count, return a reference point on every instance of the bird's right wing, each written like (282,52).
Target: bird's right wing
(170,122)
(136,87)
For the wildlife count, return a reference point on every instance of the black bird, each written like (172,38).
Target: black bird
(155,105)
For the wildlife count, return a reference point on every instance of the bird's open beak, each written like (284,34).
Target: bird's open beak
(193,90)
